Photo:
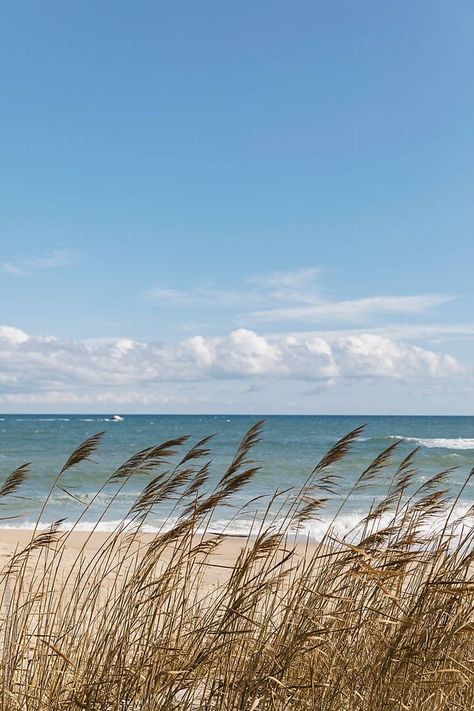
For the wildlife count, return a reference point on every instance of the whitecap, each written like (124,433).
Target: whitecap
(345,525)
(440,442)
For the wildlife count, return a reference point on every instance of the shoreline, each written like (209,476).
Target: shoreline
(76,544)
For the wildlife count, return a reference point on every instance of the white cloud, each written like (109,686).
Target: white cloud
(205,297)
(293,296)
(288,279)
(13,269)
(257,291)
(54,259)
(37,367)
(87,397)
(274,286)
(353,309)
(435,332)
(12,335)
(159,294)
(299,286)
(368,355)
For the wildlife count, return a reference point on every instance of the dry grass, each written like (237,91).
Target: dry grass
(379,620)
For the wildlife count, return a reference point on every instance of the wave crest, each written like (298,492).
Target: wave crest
(440,442)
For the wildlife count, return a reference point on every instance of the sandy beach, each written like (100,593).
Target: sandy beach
(79,547)
(185,622)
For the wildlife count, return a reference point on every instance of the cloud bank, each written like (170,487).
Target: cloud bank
(31,367)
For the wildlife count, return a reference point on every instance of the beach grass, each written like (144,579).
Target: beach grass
(380,618)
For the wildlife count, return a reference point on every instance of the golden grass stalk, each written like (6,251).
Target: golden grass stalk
(379,619)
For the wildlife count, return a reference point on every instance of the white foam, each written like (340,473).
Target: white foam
(43,419)
(314,529)
(83,526)
(440,443)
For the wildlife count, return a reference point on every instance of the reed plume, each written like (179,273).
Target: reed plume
(188,618)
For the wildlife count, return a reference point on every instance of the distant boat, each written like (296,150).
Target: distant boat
(117,418)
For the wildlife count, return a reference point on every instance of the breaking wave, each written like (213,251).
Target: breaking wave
(440,442)
(346,524)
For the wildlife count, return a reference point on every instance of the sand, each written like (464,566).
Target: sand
(217,569)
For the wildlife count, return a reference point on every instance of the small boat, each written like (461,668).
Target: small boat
(117,418)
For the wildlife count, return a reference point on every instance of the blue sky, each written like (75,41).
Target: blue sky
(247,207)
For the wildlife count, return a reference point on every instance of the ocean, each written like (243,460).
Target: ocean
(289,449)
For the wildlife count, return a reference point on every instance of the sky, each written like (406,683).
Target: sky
(237,207)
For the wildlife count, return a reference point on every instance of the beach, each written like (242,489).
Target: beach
(80,548)
(165,609)
(84,546)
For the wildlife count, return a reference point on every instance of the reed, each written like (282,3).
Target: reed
(381,618)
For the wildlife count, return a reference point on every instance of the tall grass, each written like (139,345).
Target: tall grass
(381,618)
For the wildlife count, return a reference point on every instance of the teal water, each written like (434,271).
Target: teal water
(290,448)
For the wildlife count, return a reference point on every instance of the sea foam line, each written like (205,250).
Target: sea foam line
(440,442)
(343,525)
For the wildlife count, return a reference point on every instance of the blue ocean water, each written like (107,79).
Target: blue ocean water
(290,447)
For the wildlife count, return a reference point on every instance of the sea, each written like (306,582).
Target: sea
(289,449)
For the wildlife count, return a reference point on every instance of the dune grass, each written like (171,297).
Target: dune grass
(381,618)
